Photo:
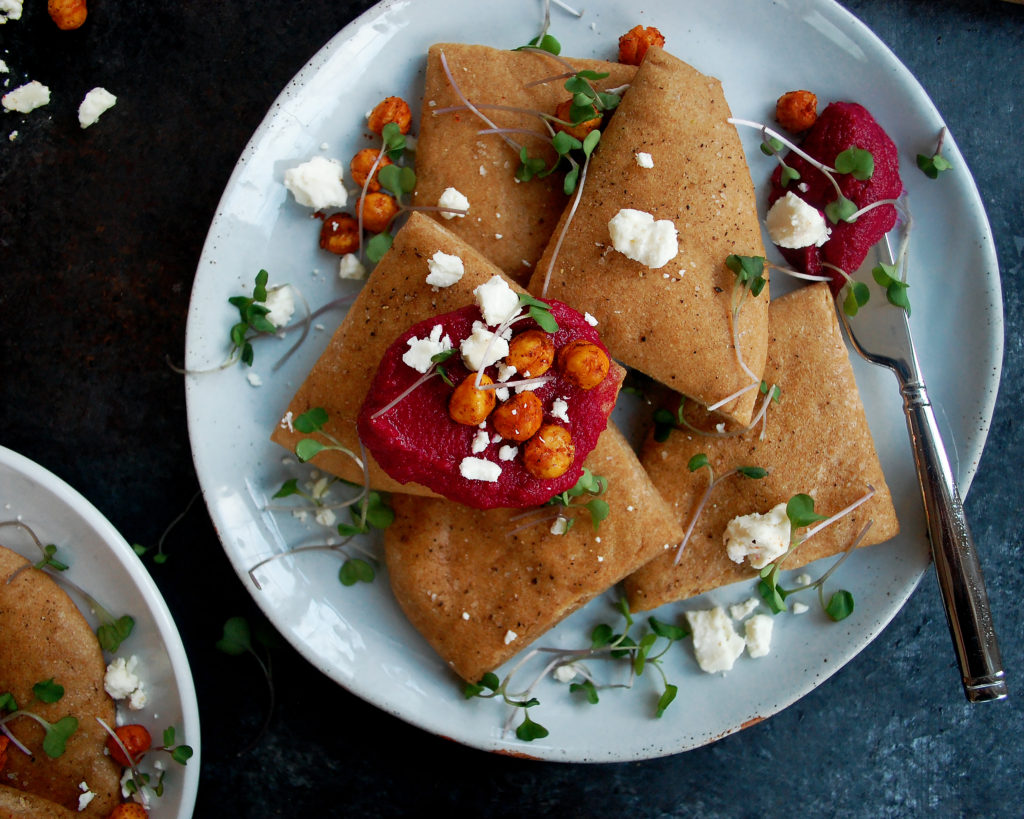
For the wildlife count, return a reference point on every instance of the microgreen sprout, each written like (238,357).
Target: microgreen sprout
(56,733)
(895,289)
(665,420)
(237,639)
(436,368)
(934,164)
(161,557)
(635,653)
(535,309)
(253,321)
(801,514)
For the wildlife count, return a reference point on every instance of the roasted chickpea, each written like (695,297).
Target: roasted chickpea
(519,417)
(470,405)
(360,167)
(391,109)
(128,810)
(796,110)
(583,363)
(531,353)
(67,14)
(549,453)
(340,234)
(634,43)
(579,130)
(378,211)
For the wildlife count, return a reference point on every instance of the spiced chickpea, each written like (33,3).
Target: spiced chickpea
(583,363)
(580,130)
(378,211)
(518,418)
(390,109)
(634,43)
(340,234)
(470,405)
(360,167)
(796,110)
(67,14)
(531,353)
(549,453)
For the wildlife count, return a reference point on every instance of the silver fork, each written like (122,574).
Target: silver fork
(880,332)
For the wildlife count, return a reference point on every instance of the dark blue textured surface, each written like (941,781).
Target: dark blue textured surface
(100,232)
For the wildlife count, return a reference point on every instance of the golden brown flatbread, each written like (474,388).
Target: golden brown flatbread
(395,297)
(480,595)
(15,804)
(44,635)
(672,323)
(509,222)
(817,443)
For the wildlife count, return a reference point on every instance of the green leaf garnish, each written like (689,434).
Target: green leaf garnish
(788,175)
(290,487)
(7,702)
(667,630)
(545,42)
(800,511)
(393,141)
(754,472)
(311,420)
(237,638)
(307,449)
(667,696)
(48,691)
(182,754)
(399,179)
(664,423)
(529,730)
(697,462)
(933,165)
(378,245)
(354,570)
(840,210)
(857,162)
(857,295)
(111,635)
(840,605)
(601,636)
(588,689)
(895,289)
(57,735)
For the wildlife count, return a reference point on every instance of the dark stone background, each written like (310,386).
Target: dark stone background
(100,232)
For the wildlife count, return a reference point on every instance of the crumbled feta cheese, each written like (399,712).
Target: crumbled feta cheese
(794,224)
(10,10)
(325,517)
(800,608)
(26,97)
(501,393)
(505,372)
(422,350)
(86,796)
(475,345)
(480,442)
(644,159)
(637,236)
(349,267)
(3,67)
(716,644)
(286,421)
(762,538)
(445,269)
(590,319)
(479,469)
(254,380)
(497,301)
(95,103)
(565,673)
(465,615)
(741,610)
(560,526)
(452,198)
(121,681)
(281,304)
(510,637)
(317,183)
(758,631)
(508,453)
(560,410)
(803,579)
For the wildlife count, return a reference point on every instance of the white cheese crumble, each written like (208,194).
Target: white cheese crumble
(281,304)
(10,10)
(121,682)
(422,350)
(508,453)
(758,630)
(800,608)
(637,236)
(317,183)
(560,409)
(716,644)
(95,103)
(3,67)
(742,610)
(803,579)
(86,796)
(452,198)
(479,469)
(560,526)
(510,637)
(26,97)
(505,372)
(497,301)
(564,673)
(761,538)
(590,319)
(474,346)
(794,224)
(480,442)
(254,380)
(445,269)
(644,159)
(349,267)
(501,393)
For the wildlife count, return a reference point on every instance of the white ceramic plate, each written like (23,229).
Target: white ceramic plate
(357,635)
(102,563)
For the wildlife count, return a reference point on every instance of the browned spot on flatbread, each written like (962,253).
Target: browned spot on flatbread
(817,443)
(44,636)
(673,323)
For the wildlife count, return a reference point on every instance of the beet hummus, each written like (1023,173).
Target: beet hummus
(418,440)
(843,125)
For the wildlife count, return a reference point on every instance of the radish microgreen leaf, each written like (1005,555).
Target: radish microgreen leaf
(355,570)
(378,245)
(895,289)
(840,605)
(48,559)
(840,210)
(800,511)
(48,691)
(933,165)
(857,162)
(588,689)
(111,635)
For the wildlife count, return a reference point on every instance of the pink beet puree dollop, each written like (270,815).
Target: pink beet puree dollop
(843,125)
(417,440)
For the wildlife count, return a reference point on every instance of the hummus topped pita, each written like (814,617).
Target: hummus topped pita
(44,636)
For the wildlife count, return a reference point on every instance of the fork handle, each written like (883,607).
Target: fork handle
(956,561)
